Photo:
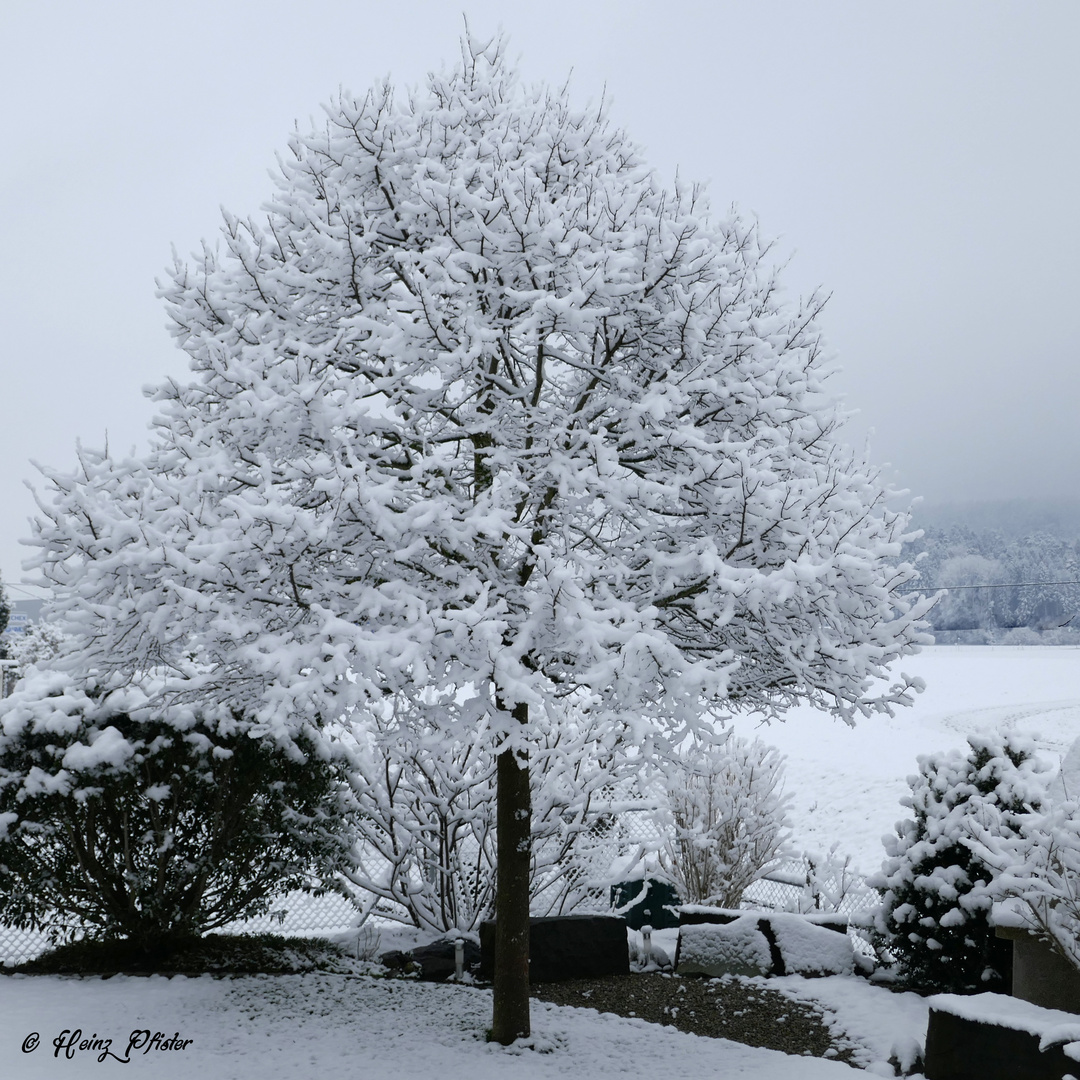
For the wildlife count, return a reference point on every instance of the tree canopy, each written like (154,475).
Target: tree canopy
(477,399)
(485,419)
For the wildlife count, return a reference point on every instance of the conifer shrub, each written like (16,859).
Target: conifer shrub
(936,894)
(122,825)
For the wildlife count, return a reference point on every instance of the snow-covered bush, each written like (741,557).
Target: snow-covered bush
(425,796)
(936,892)
(1036,859)
(727,819)
(132,825)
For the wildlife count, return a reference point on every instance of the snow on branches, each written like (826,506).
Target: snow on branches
(478,407)
(727,820)
(425,813)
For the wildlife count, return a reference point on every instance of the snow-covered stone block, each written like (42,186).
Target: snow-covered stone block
(734,948)
(999,1037)
(807,949)
(795,944)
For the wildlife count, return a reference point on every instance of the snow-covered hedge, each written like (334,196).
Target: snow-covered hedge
(143,825)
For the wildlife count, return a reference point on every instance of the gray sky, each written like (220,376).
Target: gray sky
(921,161)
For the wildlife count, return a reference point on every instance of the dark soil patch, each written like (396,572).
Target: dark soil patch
(215,954)
(720,1009)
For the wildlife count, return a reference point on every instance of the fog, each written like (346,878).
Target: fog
(917,161)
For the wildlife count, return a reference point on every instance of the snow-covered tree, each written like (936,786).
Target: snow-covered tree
(1035,856)
(5,675)
(5,614)
(727,819)
(480,410)
(936,892)
(1042,566)
(36,646)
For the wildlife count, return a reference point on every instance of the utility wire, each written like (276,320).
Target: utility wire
(995,585)
(1010,585)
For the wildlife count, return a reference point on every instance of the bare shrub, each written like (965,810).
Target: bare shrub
(728,819)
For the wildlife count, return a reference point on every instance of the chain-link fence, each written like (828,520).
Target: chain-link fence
(296,914)
(798,885)
(18,946)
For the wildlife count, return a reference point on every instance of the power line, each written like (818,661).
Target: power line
(995,585)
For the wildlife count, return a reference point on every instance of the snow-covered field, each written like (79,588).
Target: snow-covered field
(846,785)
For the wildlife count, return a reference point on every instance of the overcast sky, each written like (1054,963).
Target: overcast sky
(920,161)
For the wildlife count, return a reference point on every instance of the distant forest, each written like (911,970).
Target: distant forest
(1008,546)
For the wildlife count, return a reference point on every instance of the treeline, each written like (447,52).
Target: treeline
(1009,582)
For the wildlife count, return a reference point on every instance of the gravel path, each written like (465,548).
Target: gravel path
(719,1009)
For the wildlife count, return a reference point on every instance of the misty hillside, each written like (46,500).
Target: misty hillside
(1012,568)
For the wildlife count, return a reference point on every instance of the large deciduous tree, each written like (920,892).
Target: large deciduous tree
(482,414)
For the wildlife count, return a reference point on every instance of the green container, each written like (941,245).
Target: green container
(657,903)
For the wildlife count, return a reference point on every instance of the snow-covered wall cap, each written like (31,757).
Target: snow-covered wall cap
(814,917)
(708,909)
(1052,1026)
(1011,914)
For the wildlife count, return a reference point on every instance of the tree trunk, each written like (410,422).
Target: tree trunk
(513,826)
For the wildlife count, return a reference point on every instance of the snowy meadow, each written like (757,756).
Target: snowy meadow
(846,785)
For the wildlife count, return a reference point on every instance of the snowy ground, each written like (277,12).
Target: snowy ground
(846,784)
(301,1026)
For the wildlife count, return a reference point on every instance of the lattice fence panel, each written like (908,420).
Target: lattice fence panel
(300,914)
(785,890)
(786,887)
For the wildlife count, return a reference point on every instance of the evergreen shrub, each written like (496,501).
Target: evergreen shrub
(150,830)
(936,894)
